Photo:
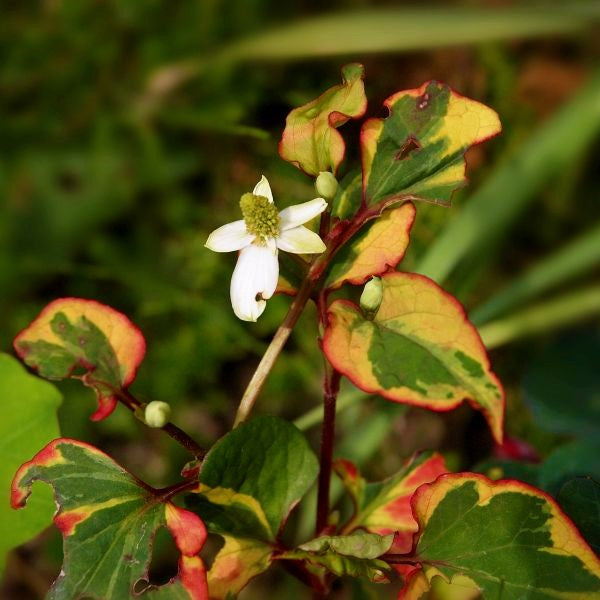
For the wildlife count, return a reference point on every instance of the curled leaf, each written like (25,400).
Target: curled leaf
(310,140)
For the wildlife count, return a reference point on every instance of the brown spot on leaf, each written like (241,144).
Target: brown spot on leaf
(409,146)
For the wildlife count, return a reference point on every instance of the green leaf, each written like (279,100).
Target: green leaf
(266,458)
(249,482)
(509,469)
(359,544)
(384,506)
(505,537)
(310,140)
(418,349)
(418,151)
(414,27)
(354,555)
(374,250)
(72,336)
(108,519)
(580,499)
(28,422)
(566,368)
(568,461)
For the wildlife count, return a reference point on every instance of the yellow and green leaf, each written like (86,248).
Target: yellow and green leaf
(378,247)
(310,140)
(238,561)
(418,150)
(108,519)
(506,538)
(418,349)
(249,482)
(86,339)
(383,507)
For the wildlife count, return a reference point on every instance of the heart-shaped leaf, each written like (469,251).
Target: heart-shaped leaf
(310,140)
(508,539)
(73,337)
(108,519)
(418,150)
(418,349)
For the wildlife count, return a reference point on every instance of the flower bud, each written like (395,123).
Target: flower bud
(326,185)
(157,414)
(370,299)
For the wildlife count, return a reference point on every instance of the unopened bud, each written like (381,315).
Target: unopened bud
(326,185)
(157,414)
(370,299)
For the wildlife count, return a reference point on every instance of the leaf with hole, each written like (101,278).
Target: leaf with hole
(417,152)
(108,519)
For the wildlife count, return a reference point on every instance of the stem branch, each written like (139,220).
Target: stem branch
(180,436)
(315,272)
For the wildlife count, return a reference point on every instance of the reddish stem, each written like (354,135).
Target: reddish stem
(126,398)
(331,387)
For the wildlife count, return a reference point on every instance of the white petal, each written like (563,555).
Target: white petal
(300,240)
(300,213)
(262,188)
(256,272)
(227,238)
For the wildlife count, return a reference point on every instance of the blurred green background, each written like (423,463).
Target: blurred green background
(128,132)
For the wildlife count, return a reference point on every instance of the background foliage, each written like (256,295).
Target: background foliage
(129,131)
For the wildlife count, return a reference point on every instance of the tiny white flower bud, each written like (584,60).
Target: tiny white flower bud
(326,185)
(157,414)
(371,297)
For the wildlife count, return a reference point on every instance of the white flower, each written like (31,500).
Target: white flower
(259,235)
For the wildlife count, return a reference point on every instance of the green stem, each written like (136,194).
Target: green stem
(270,356)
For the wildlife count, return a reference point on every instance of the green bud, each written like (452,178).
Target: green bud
(370,299)
(157,414)
(326,185)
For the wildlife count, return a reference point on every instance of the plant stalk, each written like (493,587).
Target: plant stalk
(180,436)
(314,274)
(331,387)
